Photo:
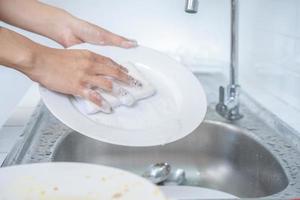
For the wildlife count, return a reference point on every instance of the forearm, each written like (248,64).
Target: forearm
(36,17)
(17,51)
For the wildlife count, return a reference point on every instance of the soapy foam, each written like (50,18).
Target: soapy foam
(122,94)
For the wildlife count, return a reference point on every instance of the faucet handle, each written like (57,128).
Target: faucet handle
(221,95)
(221,107)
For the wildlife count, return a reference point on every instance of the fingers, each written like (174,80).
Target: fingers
(107,67)
(97,99)
(104,66)
(123,68)
(116,40)
(92,95)
(97,35)
(117,72)
(109,62)
(100,82)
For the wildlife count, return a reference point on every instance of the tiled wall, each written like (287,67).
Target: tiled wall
(270,52)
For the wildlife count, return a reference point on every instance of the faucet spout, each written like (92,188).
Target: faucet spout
(191,6)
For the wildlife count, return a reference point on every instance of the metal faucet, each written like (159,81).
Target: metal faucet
(229,105)
(191,6)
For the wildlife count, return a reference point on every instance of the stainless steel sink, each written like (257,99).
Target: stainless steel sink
(216,155)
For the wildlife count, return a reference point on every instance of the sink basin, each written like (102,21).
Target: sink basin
(216,155)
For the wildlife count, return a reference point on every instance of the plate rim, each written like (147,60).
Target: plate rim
(77,168)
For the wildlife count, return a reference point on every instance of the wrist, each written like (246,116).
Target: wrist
(34,61)
(60,26)
(19,53)
(54,23)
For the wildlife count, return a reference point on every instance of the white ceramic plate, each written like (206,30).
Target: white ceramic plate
(188,192)
(177,108)
(73,181)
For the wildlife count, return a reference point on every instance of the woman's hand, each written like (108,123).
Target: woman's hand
(74,72)
(57,24)
(77,72)
(78,31)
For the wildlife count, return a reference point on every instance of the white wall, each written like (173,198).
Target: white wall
(270,52)
(200,38)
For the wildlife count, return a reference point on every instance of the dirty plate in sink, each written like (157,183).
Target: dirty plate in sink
(177,108)
(73,181)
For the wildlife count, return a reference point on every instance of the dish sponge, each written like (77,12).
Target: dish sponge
(121,95)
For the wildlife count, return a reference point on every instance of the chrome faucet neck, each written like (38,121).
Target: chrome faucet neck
(228,105)
(234,43)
